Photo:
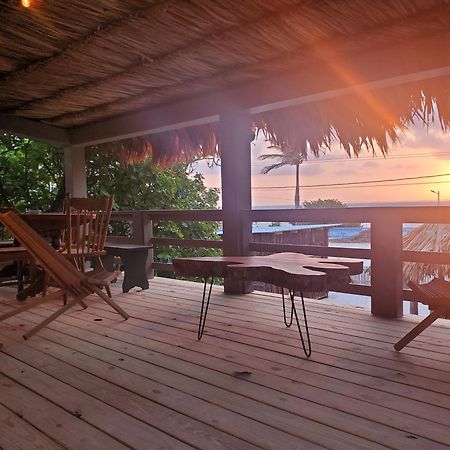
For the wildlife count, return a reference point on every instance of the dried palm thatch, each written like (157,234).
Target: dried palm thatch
(369,119)
(76,62)
(427,238)
(167,148)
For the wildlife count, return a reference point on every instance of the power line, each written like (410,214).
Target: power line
(366,158)
(387,185)
(356,182)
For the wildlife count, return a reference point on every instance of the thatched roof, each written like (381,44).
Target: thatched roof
(77,62)
(427,238)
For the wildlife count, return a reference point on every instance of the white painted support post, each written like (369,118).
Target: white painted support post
(75,171)
(387,267)
(235,146)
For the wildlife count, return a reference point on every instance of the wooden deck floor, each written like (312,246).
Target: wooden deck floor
(94,381)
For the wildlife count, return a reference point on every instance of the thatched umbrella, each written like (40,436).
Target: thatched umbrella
(428,238)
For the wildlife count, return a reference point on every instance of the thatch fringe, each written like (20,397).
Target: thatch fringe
(356,121)
(369,119)
(168,148)
(427,238)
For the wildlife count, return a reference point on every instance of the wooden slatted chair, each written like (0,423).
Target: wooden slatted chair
(83,240)
(435,294)
(68,278)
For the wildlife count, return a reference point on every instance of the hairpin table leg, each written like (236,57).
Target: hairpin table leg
(306,348)
(284,310)
(204,310)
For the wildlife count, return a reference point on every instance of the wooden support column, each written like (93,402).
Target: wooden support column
(75,171)
(142,235)
(235,145)
(387,267)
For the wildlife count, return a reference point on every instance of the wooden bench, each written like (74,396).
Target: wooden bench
(134,258)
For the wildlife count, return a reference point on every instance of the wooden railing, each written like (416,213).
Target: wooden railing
(386,252)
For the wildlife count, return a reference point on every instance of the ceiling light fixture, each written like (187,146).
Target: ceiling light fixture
(25,3)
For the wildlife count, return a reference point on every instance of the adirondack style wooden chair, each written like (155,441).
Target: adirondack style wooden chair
(71,281)
(435,294)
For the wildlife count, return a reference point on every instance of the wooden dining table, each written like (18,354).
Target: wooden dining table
(48,224)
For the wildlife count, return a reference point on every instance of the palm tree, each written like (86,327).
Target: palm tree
(286,157)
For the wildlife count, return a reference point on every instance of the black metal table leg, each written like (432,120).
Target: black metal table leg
(204,310)
(306,348)
(284,311)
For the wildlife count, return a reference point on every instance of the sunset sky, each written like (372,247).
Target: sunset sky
(422,152)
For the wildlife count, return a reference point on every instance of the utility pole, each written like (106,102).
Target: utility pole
(438,195)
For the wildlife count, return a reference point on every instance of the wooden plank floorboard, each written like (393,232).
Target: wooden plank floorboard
(303,373)
(245,383)
(111,421)
(17,434)
(307,373)
(288,343)
(162,329)
(356,318)
(51,420)
(395,419)
(151,412)
(263,300)
(324,328)
(188,391)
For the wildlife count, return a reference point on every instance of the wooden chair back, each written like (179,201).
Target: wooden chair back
(87,221)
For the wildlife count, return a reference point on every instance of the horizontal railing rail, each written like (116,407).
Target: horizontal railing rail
(385,253)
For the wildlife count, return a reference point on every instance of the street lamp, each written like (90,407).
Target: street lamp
(438,194)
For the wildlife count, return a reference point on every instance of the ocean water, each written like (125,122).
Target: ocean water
(350,232)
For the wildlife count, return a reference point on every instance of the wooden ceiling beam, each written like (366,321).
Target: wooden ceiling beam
(34,130)
(331,76)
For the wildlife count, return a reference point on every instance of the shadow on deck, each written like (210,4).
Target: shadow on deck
(94,381)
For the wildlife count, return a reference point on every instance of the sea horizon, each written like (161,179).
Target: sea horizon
(364,204)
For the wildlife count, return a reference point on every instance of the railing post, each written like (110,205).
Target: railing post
(387,267)
(142,234)
(235,146)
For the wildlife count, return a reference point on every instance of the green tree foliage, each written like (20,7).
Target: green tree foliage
(31,174)
(32,177)
(325,203)
(142,186)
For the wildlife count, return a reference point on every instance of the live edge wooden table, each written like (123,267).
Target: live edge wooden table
(295,272)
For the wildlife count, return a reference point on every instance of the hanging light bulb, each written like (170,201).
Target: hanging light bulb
(26,3)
